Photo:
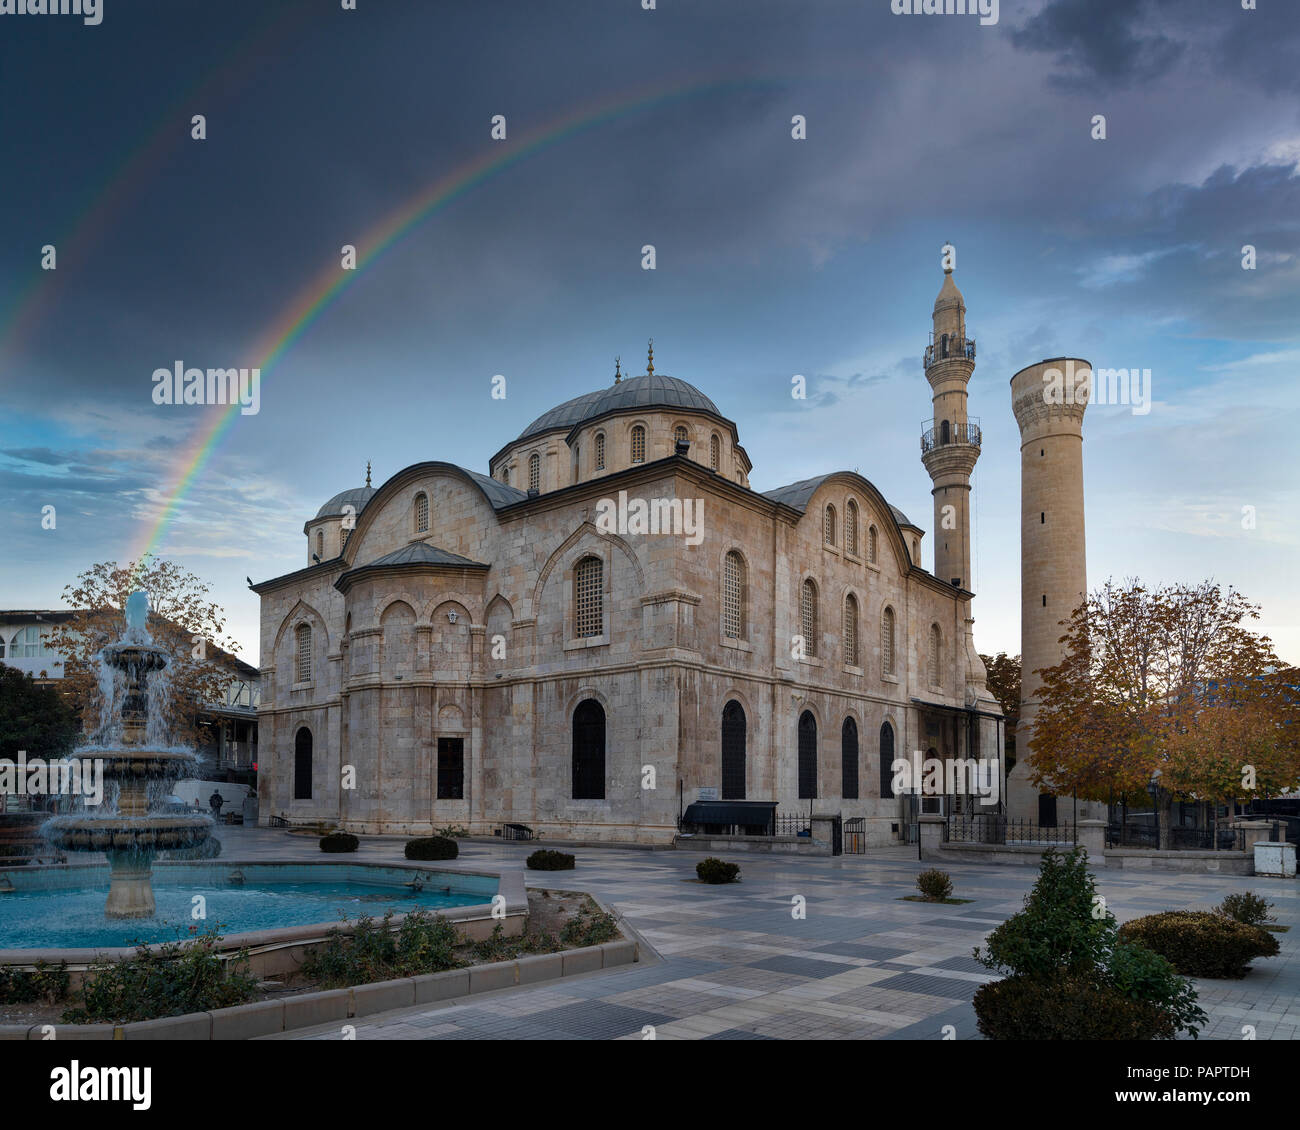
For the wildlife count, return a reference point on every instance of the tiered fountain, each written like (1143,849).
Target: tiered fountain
(132,835)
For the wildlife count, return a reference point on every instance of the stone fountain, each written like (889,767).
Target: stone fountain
(134,834)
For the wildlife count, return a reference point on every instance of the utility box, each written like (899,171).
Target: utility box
(1275,859)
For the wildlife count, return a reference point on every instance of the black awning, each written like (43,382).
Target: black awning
(730,812)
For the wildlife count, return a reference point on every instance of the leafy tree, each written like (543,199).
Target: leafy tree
(1169,686)
(34,719)
(182,621)
(1004,684)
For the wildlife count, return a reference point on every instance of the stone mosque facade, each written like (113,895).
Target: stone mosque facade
(480,649)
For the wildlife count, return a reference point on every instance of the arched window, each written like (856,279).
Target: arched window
(849,760)
(733,596)
(505,475)
(715,453)
(600,451)
(851,528)
(534,471)
(828,525)
(935,640)
(589,751)
(807,755)
(302,765)
(851,630)
(733,751)
(873,546)
(916,552)
(679,434)
(2,647)
(808,616)
(887,641)
(27,643)
(638,444)
(421,513)
(886,761)
(320,544)
(344,537)
(302,653)
(588,598)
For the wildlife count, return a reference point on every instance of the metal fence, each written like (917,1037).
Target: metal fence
(1145,834)
(793,825)
(995,829)
(855,836)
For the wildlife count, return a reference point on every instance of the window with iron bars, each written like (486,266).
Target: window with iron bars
(808,617)
(588,598)
(733,596)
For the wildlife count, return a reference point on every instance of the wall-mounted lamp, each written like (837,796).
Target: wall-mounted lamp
(452,617)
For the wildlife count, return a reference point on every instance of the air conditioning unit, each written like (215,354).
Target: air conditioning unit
(934,805)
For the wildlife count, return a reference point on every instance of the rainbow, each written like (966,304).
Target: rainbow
(317,297)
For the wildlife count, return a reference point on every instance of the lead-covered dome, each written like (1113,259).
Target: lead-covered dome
(655,390)
(357,497)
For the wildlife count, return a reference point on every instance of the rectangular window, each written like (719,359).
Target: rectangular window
(588,598)
(451,768)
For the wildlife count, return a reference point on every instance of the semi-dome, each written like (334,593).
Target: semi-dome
(357,497)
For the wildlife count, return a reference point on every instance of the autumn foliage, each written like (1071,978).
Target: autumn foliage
(1170,683)
(182,621)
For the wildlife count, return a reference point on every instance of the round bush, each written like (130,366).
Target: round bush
(1200,943)
(339,842)
(545,860)
(716,871)
(1067,1008)
(432,847)
(936,885)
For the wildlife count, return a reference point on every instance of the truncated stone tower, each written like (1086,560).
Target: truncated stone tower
(1048,400)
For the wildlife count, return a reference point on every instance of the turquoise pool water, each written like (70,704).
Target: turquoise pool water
(73,917)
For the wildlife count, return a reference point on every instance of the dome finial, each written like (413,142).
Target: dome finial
(618,372)
(650,364)
(367,472)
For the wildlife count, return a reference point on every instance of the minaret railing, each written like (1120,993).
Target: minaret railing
(966,433)
(955,347)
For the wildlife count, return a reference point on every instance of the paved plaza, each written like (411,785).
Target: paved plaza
(734,963)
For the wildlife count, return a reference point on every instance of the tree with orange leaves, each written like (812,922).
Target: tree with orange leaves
(181,620)
(1166,688)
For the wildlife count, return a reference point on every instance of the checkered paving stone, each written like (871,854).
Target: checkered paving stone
(738,948)
(931,985)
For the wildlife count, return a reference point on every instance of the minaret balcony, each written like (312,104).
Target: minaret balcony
(948,433)
(948,349)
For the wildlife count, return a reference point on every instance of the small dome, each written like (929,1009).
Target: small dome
(563,415)
(653,391)
(357,497)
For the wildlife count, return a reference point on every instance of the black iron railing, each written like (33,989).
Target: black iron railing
(1145,834)
(995,829)
(946,432)
(793,825)
(855,836)
(946,350)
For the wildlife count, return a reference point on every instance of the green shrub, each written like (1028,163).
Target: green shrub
(339,842)
(589,927)
(1071,1008)
(1201,943)
(47,983)
(1065,941)
(432,847)
(934,884)
(366,950)
(452,832)
(168,980)
(716,871)
(1247,907)
(545,860)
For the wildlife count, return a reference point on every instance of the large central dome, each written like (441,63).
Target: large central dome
(652,391)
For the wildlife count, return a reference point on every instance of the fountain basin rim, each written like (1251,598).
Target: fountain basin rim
(510,884)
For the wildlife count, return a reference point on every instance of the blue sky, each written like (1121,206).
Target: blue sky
(774,257)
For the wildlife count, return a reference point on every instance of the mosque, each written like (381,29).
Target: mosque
(481,649)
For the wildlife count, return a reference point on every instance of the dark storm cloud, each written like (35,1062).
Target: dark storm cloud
(1099,39)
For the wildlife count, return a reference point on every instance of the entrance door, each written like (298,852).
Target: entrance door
(451,768)
(1046,810)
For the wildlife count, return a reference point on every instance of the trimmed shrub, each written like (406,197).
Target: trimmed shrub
(1247,907)
(432,847)
(1072,1008)
(934,884)
(1201,943)
(716,871)
(546,860)
(339,842)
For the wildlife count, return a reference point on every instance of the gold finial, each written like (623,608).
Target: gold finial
(650,364)
(367,472)
(618,372)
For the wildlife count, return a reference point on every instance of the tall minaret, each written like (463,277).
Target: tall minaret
(950,444)
(1048,400)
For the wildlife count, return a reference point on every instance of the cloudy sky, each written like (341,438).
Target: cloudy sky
(627,127)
